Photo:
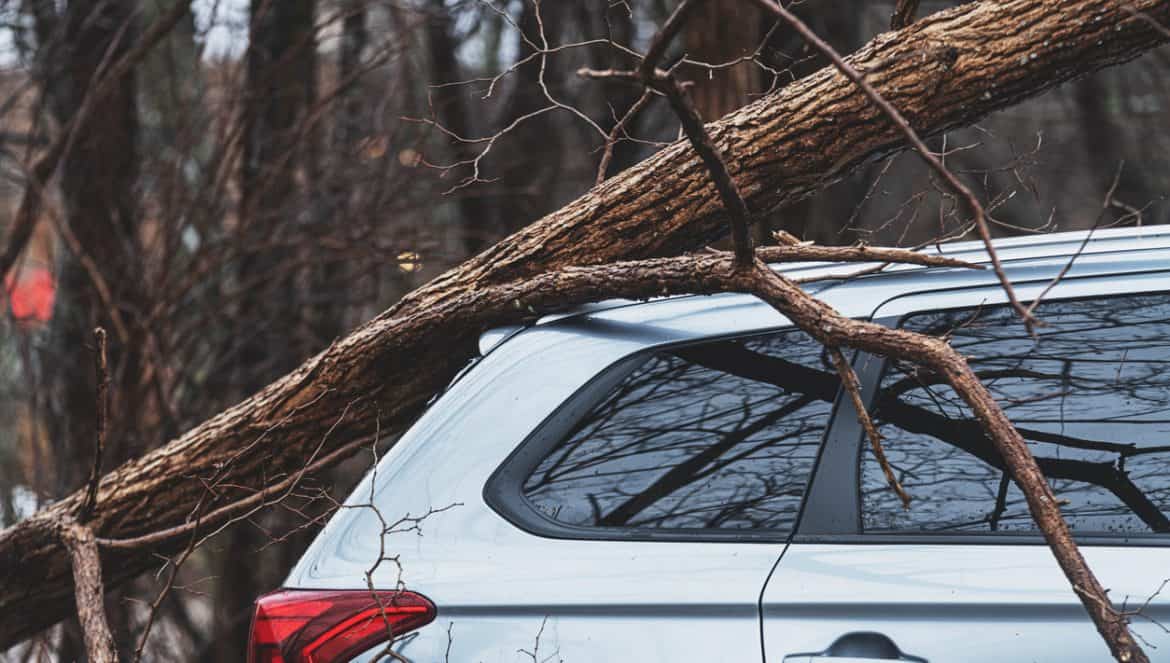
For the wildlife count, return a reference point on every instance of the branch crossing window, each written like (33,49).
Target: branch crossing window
(1091,394)
(714,436)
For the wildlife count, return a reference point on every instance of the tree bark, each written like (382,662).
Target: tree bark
(945,70)
(89,592)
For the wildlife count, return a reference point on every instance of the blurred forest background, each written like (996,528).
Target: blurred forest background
(228,189)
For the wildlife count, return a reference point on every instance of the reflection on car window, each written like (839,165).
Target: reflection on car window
(721,435)
(1091,394)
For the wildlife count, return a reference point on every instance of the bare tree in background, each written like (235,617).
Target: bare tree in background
(289,199)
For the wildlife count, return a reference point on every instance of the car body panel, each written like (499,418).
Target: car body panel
(956,603)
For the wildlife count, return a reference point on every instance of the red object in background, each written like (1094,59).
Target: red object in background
(31,294)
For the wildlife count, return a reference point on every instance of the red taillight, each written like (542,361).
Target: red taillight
(311,626)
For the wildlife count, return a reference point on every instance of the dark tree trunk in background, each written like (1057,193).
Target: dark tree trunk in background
(720,32)
(527,177)
(603,19)
(1104,143)
(342,187)
(101,211)
(352,115)
(277,171)
(451,105)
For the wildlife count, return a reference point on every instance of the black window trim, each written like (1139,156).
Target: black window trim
(833,515)
(503,490)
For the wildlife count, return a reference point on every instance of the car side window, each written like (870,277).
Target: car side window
(720,435)
(1090,393)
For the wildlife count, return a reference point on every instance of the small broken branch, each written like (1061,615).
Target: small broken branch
(103,416)
(88,591)
(863,253)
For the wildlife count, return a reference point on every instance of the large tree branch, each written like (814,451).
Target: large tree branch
(946,70)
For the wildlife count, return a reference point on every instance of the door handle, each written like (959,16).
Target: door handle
(857,647)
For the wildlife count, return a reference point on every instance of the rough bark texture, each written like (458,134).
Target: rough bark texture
(946,70)
(87,582)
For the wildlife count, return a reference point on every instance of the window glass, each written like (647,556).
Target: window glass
(721,435)
(1091,394)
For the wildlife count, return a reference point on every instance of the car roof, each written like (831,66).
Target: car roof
(1024,258)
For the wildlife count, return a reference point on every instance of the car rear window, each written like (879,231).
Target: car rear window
(1090,392)
(714,436)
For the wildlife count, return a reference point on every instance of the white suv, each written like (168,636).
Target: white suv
(680,480)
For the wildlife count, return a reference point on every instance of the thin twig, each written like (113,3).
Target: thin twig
(618,129)
(853,388)
(102,373)
(1105,205)
(246,506)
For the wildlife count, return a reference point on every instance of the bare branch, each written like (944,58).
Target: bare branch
(661,39)
(101,368)
(618,129)
(853,387)
(974,207)
(42,171)
(88,591)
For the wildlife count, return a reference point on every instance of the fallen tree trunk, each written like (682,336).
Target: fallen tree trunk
(946,70)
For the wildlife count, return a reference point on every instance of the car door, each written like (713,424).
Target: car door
(961,575)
